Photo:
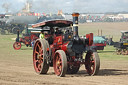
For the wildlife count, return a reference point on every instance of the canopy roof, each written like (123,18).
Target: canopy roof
(53,23)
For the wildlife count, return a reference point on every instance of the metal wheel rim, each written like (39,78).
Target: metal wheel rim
(58,64)
(90,64)
(17,45)
(38,57)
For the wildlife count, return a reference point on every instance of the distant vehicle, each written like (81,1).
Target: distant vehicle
(30,36)
(48,17)
(14,23)
(122,45)
(99,43)
(3,19)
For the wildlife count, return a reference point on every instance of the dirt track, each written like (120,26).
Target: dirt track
(22,73)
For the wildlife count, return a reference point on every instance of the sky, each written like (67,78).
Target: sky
(68,6)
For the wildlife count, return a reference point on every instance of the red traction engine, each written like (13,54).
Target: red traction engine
(25,39)
(65,54)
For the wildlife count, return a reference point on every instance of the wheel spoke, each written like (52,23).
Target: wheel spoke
(60,67)
(39,66)
(41,54)
(39,47)
(57,57)
(18,44)
(36,61)
(59,64)
(37,52)
(60,70)
(41,61)
(59,60)
(93,62)
(41,58)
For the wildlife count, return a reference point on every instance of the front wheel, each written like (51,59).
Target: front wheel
(92,63)
(17,45)
(60,63)
(40,63)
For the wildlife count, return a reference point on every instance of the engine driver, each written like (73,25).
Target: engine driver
(41,36)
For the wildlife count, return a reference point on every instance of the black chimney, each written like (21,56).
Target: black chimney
(75,26)
(17,39)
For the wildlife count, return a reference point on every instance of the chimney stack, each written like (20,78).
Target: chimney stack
(75,26)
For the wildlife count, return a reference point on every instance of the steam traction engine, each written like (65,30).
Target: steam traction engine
(122,45)
(26,39)
(65,52)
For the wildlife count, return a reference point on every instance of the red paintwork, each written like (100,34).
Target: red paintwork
(99,44)
(64,46)
(57,63)
(28,39)
(90,63)
(90,37)
(58,40)
(48,35)
(17,45)
(59,43)
(38,58)
(33,37)
(20,40)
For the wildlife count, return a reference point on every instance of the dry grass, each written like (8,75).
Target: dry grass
(108,29)
(113,29)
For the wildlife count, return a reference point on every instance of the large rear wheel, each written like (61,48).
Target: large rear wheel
(41,65)
(17,45)
(60,63)
(92,63)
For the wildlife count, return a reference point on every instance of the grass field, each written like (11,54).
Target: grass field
(16,66)
(108,29)
(112,29)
